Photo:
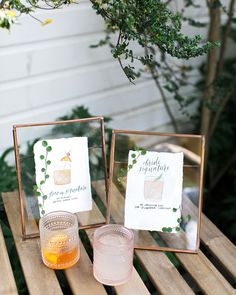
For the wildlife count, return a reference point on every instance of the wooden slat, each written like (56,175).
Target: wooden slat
(215,241)
(36,274)
(220,246)
(38,278)
(208,278)
(7,282)
(164,276)
(81,279)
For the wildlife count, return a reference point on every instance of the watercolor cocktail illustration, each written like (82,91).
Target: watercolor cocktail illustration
(153,188)
(62,170)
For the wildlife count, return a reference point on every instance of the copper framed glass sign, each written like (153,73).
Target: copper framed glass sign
(155,188)
(57,164)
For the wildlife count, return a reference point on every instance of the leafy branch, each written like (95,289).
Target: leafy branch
(38,189)
(123,171)
(180,221)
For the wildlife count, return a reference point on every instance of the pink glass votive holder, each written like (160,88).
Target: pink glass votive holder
(113,254)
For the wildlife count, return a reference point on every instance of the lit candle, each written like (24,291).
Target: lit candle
(59,239)
(113,254)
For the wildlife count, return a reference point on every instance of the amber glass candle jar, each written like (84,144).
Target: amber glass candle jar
(59,239)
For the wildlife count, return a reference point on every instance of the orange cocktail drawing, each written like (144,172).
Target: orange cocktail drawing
(62,171)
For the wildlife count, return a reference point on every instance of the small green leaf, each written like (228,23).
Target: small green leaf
(177,228)
(40,205)
(43,169)
(46,176)
(41,157)
(45,197)
(174,209)
(44,143)
(189,217)
(42,212)
(49,148)
(143,152)
(169,229)
(35,187)
(164,229)
(49,162)
(133,155)
(134,161)
(179,220)
(42,182)
(38,194)
(130,166)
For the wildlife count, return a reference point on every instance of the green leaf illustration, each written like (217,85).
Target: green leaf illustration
(45,197)
(143,152)
(35,187)
(49,162)
(43,169)
(42,157)
(44,143)
(159,177)
(177,228)
(49,148)
(133,155)
(174,209)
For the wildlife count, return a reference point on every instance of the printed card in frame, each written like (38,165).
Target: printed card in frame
(155,188)
(57,164)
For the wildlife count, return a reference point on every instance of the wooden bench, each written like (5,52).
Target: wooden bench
(211,271)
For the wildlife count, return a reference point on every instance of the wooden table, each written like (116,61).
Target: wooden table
(211,271)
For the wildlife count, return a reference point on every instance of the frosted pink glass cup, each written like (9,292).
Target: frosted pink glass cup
(113,254)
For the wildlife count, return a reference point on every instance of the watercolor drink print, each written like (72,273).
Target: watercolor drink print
(153,188)
(62,171)
(62,175)
(154,191)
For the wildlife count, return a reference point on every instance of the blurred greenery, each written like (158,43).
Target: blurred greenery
(220,204)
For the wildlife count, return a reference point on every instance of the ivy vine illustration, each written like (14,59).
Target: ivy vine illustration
(179,221)
(123,171)
(38,189)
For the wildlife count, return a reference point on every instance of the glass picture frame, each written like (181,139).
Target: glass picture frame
(26,136)
(128,149)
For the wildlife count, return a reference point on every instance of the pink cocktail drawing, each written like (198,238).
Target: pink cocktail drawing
(153,188)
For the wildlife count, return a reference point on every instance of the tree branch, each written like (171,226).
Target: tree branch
(213,35)
(163,96)
(2,4)
(223,170)
(225,37)
(220,110)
